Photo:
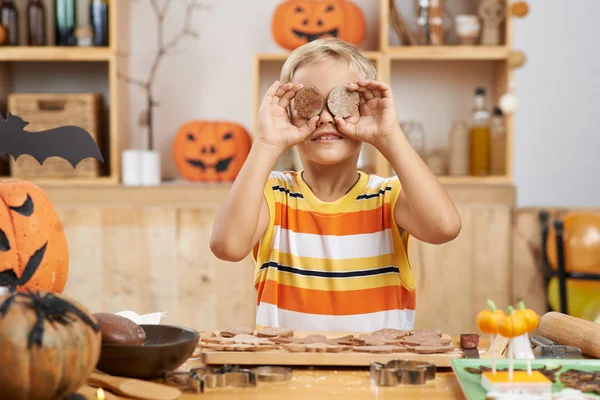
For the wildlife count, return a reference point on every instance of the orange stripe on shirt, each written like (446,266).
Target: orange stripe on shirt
(336,302)
(360,222)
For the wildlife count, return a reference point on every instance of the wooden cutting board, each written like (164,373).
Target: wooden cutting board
(348,358)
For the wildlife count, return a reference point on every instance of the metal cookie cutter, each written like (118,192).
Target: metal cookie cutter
(273,374)
(198,379)
(406,372)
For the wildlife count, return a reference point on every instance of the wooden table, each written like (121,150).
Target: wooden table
(330,384)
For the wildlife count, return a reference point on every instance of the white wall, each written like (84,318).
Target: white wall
(559,87)
(558,124)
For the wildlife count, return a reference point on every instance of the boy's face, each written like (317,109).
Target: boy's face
(326,145)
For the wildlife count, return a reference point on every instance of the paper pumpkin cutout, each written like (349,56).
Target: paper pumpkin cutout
(33,247)
(297,22)
(210,150)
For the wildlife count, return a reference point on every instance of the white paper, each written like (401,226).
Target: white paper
(522,347)
(145,319)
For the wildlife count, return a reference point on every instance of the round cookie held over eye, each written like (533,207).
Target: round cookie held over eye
(343,102)
(308,102)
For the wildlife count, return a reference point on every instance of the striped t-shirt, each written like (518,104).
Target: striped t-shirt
(333,266)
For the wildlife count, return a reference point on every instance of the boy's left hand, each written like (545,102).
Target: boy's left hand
(378,119)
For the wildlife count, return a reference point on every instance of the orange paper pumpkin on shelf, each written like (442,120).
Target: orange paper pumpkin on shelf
(211,150)
(33,248)
(297,22)
(581,238)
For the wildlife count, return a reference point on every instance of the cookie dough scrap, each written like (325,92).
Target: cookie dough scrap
(323,348)
(433,349)
(212,346)
(426,332)
(295,347)
(274,332)
(315,338)
(372,340)
(249,339)
(391,333)
(285,340)
(231,332)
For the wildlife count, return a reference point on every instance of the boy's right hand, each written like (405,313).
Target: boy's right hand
(274,125)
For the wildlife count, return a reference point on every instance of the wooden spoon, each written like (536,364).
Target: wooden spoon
(136,388)
(90,393)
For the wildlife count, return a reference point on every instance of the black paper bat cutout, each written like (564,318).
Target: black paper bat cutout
(69,142)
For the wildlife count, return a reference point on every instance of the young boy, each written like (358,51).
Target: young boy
(330,242)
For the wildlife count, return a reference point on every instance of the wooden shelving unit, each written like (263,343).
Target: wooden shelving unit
(105,64)
(481,66)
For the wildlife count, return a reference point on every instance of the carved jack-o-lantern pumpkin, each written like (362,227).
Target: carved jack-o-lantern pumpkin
(33,248)
(210,150)
(50,346)
(297,22)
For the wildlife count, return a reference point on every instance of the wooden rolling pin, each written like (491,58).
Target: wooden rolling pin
(571,331)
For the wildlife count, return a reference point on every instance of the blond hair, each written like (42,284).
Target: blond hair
(327,49)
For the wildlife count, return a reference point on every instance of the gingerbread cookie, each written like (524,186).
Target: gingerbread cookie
(308,102)
(343,102)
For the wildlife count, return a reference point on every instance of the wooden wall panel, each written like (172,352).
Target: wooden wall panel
(155,259)
(455,279)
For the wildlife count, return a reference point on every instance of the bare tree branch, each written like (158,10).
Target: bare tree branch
(133,81)
(165,7)
(161,50)
(154,5)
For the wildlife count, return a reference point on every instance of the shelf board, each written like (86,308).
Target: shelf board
(448,53)
(100,181)
(475,180)
(371,55)
(54,53)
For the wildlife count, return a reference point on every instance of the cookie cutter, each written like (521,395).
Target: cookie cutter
(199,379)
(273,374)
(405,372)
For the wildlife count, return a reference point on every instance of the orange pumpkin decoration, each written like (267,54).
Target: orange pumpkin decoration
(513,326)
(50,346)
(489,320)
(530,317)
(33,248)
(211,150)
(297,22)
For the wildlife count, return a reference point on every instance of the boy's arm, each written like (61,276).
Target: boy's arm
(244,215)
(424,209)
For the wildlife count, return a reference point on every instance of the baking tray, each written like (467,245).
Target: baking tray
(470,383)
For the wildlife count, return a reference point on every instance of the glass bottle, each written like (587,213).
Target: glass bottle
(415,135)
(9,17)
(498,132)
(458,157)
(36,23)
(99,21)
(66,21)
(479,138)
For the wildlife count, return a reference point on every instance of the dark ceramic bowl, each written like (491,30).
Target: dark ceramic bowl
(167,347)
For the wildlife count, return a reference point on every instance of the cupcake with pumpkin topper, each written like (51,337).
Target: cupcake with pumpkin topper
(517,323)
(489,321)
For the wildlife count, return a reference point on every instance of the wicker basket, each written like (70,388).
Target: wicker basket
(50,110)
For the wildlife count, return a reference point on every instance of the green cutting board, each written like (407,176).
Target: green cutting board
(470,383)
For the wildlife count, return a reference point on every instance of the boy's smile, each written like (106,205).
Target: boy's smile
(326,137)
